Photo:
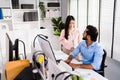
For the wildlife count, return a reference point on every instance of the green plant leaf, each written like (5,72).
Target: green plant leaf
(57,32)
(54,21)
(42,8)
(59,19)
(74,77)
(58,25)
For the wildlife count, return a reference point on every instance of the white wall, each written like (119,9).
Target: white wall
(64,9)
(4,27)
(73,10)
(93,13)
(82,17)
(106,25)
(116,47)
(4,3)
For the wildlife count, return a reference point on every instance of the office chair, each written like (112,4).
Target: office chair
(101,71)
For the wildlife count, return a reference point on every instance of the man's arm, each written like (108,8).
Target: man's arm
(73,54)
(69,59)
(85,66)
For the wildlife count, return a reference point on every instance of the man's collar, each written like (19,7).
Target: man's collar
(93,43)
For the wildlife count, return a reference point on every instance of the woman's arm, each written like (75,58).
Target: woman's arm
(78,36)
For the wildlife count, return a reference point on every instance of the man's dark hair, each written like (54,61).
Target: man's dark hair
(92,31)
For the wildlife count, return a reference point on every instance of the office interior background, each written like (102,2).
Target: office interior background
(104,14)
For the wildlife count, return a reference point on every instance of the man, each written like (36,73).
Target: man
(90,50)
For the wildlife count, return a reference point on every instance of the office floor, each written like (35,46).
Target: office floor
(112,71)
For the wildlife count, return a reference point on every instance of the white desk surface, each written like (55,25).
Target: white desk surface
(87,74)
(60,55)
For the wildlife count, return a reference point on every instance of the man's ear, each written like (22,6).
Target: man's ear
(88,37)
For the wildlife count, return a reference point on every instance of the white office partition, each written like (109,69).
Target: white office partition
(116,47)
(82,15)
(93,12)
(5,3)
(64,9)
(106,25)
(73,10)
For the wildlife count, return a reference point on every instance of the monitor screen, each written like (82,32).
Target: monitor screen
(46,48)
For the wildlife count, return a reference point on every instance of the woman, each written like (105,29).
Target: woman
(70,36)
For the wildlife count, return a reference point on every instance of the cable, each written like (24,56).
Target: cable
(37,36)
(72,77)
(52,76)
(34,41)
(67,76)
(24,48)
(43,36)
(60,74)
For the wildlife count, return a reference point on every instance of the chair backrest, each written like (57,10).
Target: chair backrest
(103,60)
(101,71)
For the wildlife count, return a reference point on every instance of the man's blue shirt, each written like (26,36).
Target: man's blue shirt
(90,55)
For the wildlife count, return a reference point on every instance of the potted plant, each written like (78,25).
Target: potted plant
(58,25)
(42,8)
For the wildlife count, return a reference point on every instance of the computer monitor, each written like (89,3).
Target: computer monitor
(46,48)
(10,48)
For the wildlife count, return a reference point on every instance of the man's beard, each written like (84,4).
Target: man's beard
(84,38)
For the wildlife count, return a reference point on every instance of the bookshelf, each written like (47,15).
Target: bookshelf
(25,14)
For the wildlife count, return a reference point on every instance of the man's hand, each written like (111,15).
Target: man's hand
(74,65)
(72,49)
(69,59)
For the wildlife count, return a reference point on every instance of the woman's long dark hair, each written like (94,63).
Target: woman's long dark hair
(68,19)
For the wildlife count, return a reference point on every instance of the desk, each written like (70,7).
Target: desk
(87,74)
(60,55)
